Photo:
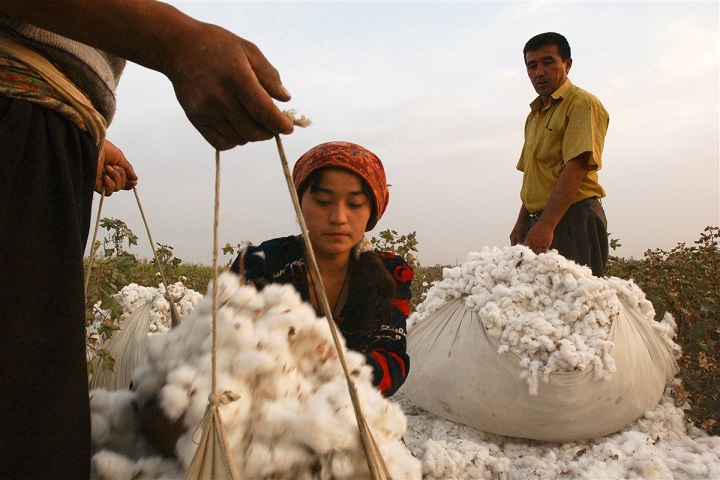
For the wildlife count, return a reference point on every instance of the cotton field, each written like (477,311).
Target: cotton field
(292,417)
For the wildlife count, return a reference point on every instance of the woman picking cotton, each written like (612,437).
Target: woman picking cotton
(343,193)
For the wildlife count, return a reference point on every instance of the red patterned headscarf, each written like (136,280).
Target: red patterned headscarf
(349,156)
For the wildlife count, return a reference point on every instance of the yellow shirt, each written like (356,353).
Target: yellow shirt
(575,123)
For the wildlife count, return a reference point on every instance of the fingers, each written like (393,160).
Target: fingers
(117,173)
(234,104)
(258,103)
(238,129)
(238,125)
(267,75)
(113,179)
(536,245)
(129,177)
(539,239)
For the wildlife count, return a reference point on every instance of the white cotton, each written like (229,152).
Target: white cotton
(554,314)
(108,465)
(658,445)
(298,121)
(133,296)
(291,417)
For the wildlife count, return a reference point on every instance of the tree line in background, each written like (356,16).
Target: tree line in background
(684,281)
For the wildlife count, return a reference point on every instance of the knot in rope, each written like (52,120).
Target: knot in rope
(222,398)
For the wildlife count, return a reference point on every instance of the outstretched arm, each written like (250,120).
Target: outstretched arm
(224,83)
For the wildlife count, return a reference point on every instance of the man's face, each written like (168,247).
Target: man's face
(546,70)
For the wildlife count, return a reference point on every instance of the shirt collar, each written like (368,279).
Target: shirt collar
(556,95)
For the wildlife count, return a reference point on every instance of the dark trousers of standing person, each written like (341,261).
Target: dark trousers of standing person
(47,175)
(581,235)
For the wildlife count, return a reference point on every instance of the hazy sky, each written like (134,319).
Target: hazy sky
(439,92)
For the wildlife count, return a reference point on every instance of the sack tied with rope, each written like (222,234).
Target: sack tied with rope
(533,346)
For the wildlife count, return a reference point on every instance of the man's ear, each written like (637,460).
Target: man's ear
(568,64)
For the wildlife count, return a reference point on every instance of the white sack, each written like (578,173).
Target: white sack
(458,374)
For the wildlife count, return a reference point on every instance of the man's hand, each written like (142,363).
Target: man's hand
(539,238)
(518,232)
(226,87)
(116,172)
(224,83)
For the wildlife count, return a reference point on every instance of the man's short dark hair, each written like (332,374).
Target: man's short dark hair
(548,38)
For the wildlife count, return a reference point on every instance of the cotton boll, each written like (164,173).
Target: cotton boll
(265,460)
(155,347)
(249,364)
(101,399)
(124,417)
(648,465)
(404,464)
(340,466)
(281,295)
(440,463)
(111,405)
(199,399)
(273,417)
(390,422)
(244,299)
(108,465)
(146,383)
(174,400)
(157,467)
(100,427)
(325,427)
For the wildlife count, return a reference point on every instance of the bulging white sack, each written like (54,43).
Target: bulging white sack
(457,373)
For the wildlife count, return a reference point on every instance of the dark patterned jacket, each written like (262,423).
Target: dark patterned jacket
(282,260)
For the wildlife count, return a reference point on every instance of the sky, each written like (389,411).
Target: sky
(438,90)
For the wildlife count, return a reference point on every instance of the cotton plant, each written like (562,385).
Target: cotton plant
(291,416)
(550,311)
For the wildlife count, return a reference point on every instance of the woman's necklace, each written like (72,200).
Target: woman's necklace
(339,296)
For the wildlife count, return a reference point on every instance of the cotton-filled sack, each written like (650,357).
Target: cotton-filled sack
(623,358)
(292,417)
(146,311)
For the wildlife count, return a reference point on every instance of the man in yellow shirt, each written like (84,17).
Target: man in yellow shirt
(564,138)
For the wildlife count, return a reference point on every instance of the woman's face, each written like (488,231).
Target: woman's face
(336,212)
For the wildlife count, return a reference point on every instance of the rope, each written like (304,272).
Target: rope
(216,223)
(174,316)
(213,459)
(376,465)
(92,245)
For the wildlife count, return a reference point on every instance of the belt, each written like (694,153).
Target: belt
(586,202)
